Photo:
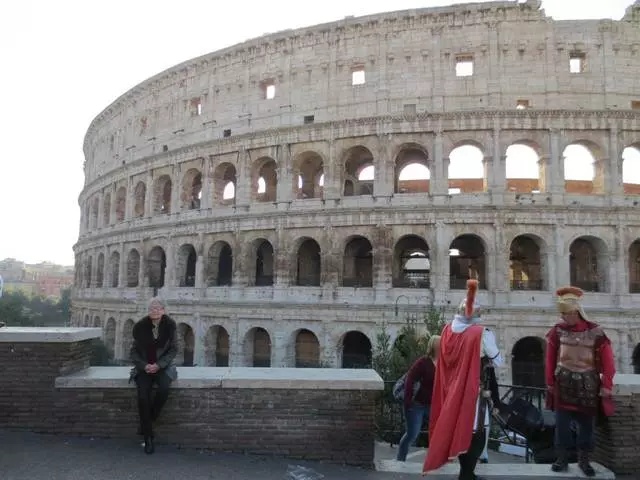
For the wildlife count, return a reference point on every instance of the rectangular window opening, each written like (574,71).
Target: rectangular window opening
(196,107)
(226,133)
(464,65)
(454,191)
(270,91)
(309,119)
(410,109)
(522,104)
(635,104)
(357,76)
(577,62)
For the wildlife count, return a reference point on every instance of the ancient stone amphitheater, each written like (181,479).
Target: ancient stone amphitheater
(291,194)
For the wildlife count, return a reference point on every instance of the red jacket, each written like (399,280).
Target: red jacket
(423,370)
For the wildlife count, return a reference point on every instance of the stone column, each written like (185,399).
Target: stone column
(279,344)
(440,281)
(240,253)
(383,183)
(170,270)
(200,262)
(207,186)
(176,186)
(100,219)
(382,258)
(497,180)
(143,278)
(149,200)
(619,269)
(199,332)
(439,183)
(332,174)
(500,278)
(243,179)
(554,178)
(615,183)
(130,199)
(563,274)
(284,193)
(122,267)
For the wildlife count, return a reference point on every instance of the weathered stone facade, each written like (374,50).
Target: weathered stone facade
(233,183)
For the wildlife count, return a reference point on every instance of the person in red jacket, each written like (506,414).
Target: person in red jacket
(417,408)
(579,375)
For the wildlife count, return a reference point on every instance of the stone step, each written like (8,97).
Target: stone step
(506,470)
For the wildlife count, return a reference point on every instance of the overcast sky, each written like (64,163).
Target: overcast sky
(63,61)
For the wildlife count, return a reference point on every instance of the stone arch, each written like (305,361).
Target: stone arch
(307,349)
(88,270)
(224,184)
(114,270)
(156,266)
(264,175)
(630,172)
(635,358)
(187,260)
(106,209)
(186,345)
(634,267)
(412,169)
(263,274)
(528,360)
(584,169)
(467,171)
(95,212)
(588,264)
(100,271)
(411,263)
(121,204)
(110,337)
(524,172)
(467,259)
(308,263)
(357,263)
(216,346)
(191,196)
(87,320)
(219,265)
(257,348)
(133,268)
(308,175)
(127,337)
(527,268)
(162,192)
(97,323)
(359,172)
(139,195)
(356,350)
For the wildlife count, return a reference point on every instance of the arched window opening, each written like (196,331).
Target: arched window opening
(100,272)
(121,203)
(411,264)
(162,192)
(525,271)
(467,259)
(224,184)
(219,265)
(523,171)
(308,265)
(631,170)
(264,266)
(583,174)
(358,263)
(265,188)
(192,190)
(359,172)
(356,350)
(412,170)
(187,259)
(186,344)
(140,196)
(110,337)
(133,268)
(307,347)
(528,362)
(309,168)
(636,360)
(106,214)
(258,348)
(587,261)
(114,267)
(634,267)
(157,264)
(216,345)
(466,170)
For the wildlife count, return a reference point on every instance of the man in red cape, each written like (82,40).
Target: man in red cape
(459,413)
(579,374)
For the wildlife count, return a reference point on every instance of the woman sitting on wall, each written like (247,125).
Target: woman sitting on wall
(417,408)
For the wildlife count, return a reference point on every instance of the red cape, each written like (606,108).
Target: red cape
(455,393)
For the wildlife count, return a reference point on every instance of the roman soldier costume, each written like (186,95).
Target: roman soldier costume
(459,406)
(579,375)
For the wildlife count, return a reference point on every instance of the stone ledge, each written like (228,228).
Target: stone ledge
(493,470)
(47,334)
(237,377)
(626,384)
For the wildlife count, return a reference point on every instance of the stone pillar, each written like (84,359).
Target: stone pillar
(440,280)
(199,332)
(497,181)
(618,269)
(243,179)
(281,267)
(439,183)
(332,174)
(143,278)
(563,274)
(206,196)
(100,219)
(170,270)
(112,207)
(279,344)
(500,277)
(176,186)
(241,251)
(149,200)
(383,183)
(554,178)
(200,263)
(382,258)
(284,194)
(615,183)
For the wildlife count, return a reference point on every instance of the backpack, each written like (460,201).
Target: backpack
(398,388)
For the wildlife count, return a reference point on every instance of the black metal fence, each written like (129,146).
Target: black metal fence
(390,425)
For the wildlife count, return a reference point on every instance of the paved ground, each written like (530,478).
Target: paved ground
(26,456)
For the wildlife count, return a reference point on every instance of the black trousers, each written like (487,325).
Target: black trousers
(564,436)
(149,409)
(469,460)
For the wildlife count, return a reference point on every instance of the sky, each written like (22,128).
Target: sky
(64,61)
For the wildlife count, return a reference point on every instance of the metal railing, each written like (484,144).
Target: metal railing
(390,424)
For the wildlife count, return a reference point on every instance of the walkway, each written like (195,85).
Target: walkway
(26,456)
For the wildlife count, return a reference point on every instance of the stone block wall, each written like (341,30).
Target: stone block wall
(618,437)
(314,414)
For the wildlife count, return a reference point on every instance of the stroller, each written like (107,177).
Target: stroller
(535,425)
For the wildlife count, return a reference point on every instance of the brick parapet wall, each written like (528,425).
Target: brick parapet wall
(319,414)
(618,437)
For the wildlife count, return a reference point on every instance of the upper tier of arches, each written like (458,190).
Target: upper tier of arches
(519,59)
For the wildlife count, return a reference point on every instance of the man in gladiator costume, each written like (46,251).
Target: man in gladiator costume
(579,374)
(459,406)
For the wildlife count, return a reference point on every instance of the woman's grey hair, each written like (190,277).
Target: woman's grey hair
(431,346)
(156,301)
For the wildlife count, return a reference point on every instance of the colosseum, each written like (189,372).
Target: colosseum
(290,195)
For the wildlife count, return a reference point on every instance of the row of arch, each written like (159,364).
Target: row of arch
(411,265)
(256,347)
(584,172)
